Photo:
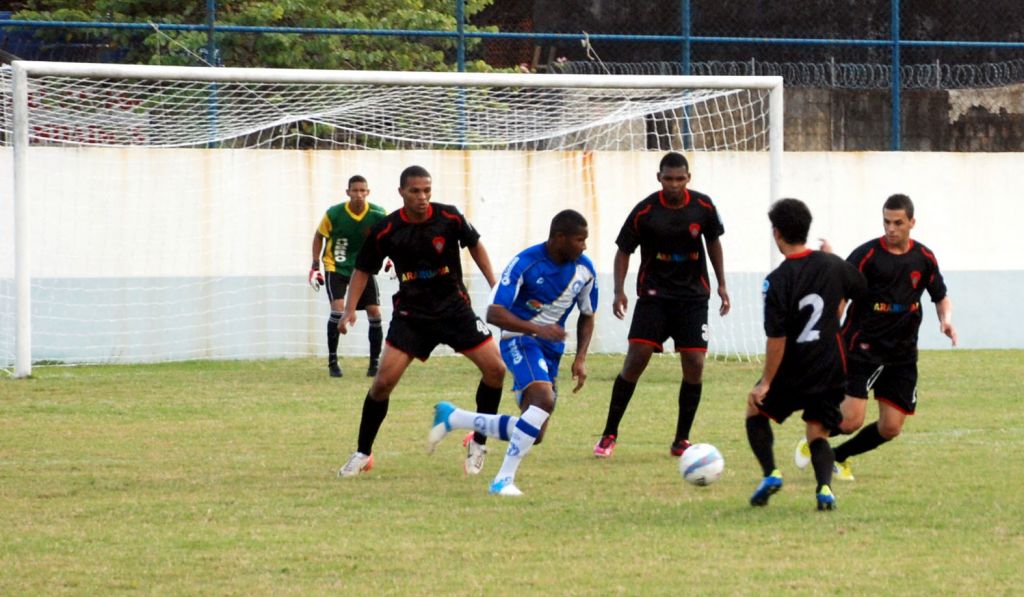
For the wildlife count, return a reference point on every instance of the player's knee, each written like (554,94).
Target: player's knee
(851,423)
(382,387)
(494,374)
(889,430)
(693,366)
(632,369)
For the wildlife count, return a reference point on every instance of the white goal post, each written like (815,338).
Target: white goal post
(165,213)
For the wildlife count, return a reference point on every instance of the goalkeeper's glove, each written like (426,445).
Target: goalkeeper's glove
(316,279)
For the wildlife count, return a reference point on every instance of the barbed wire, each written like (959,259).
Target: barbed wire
(839,75)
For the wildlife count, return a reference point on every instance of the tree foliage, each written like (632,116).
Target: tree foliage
(282,50)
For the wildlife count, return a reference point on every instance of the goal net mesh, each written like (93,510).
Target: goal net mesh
(173,219)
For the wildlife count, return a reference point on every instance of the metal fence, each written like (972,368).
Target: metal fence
(847,44)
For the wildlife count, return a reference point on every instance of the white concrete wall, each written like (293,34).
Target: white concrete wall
(114,214)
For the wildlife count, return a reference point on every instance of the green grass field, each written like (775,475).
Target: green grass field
(199,478)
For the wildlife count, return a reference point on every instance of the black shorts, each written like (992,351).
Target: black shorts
(893,384)
(463,332)
(337,286)
(656,320)
(822,407)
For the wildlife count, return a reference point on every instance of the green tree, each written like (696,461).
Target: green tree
(282,50)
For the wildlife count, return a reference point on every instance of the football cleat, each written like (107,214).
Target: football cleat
(505,486)
(357,463)
(768,487)
(335,370)
(603,448)
(842,471)
(678,447)
(475,454)
(371,371)
(802,454)
(826,501)
(442,410)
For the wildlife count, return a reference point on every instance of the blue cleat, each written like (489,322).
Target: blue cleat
(826,501)
(442,410)
(769,486)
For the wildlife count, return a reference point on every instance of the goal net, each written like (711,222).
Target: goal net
(167,213)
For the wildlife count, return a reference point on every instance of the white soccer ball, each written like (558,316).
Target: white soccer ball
(701,464)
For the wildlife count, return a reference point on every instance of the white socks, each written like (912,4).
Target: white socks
(524,434)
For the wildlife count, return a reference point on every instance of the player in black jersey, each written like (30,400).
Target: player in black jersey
(671,227)
(881,332)
(431,307)
(803,367)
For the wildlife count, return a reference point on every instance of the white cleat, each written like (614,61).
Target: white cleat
(505,487)
(475,454)
(802,454)
(357,463)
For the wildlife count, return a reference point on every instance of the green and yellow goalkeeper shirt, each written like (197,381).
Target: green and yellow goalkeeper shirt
(345,233)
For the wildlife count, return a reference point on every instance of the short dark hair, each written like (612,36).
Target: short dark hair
(567,222)
(357,178)
(673,159)
(792,219)
(900,201)
(412,172)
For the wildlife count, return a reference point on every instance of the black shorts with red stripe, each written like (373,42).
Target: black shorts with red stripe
(894,384)
(463,331)
(822,407)
(657,319)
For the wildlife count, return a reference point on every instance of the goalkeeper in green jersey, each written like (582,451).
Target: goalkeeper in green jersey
(339,237)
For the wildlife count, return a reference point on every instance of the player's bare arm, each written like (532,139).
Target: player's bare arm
(775,348)
(316,278)
(826,247)
(584,333)
(944,309)
(355,290)
(318,246)
(483,262)
(619,269)
(506,320)
(717,258)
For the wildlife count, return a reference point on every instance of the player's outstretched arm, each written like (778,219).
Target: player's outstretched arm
(944,309)
(619,269)
(483,261)
(584,333)
(717,258)
(356,286)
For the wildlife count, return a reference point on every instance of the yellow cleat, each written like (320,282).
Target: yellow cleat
(842,471)
(802,454)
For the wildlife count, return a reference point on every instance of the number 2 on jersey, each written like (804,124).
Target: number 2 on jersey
(817,305)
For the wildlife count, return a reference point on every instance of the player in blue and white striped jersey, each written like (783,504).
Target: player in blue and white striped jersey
(530,304)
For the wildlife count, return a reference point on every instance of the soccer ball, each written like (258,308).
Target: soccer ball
(701,464)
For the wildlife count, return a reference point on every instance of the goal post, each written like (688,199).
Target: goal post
(165,213)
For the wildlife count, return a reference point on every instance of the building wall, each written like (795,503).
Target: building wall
(979,120)
(123,238)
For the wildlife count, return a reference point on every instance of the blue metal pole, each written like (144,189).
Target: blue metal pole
(211,30)
(896,82)
(684,28)
(460,17)
(211,59)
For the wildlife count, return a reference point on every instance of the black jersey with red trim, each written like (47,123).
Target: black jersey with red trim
(673,262)
(885,323)
(426,260)
(801,302)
